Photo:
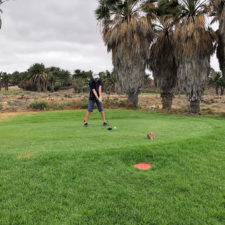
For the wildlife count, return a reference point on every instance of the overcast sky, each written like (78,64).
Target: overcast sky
(61,33)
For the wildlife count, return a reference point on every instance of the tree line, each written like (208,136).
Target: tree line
(41,79)
(170,37)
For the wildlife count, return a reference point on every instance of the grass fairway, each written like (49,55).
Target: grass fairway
(54,171)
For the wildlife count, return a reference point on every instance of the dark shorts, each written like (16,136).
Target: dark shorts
(91,105)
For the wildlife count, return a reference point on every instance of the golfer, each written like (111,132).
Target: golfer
(95,97)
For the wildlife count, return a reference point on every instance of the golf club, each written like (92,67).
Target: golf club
(110,127)
(106,118)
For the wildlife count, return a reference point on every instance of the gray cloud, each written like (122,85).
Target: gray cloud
(56,33)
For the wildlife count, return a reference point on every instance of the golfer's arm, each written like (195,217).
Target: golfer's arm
(100,91)
(95,93)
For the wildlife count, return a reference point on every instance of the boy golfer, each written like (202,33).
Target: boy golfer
(95,97)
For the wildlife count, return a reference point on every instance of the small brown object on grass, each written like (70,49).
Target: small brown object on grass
(151,136)
(24,156)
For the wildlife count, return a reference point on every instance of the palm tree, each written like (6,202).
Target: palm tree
(1,73)
(1,2)
(127,33)
(162,57)
(218,7)
(108,80)
(5,80)
(0,15)
(38,77)
(51,81)
(219,83)
(193,48)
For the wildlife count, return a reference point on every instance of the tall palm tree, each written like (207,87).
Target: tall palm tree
(127,33)
(0,14)
(193,48)
(51,81)
(5,80)
(1,74)
(1,2)
(219,15)
(162,57)
(38,77)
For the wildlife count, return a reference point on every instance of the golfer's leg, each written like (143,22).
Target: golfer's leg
(101,110)
(103,116)
(90,109)
(87,116)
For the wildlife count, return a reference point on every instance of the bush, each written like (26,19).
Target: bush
(116,103)
(58,106)
(81,104)
(121,103)
(84,103)
(57,87)
(207,111)
(76,105)
(28,86)
(1,107)
(39,105)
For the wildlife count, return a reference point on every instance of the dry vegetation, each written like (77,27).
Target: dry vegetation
(17,101)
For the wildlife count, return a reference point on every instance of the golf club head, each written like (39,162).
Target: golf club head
(110,128)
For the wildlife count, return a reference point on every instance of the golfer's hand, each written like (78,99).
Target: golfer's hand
(100,100)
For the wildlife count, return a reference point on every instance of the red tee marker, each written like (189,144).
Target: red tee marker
(143,166)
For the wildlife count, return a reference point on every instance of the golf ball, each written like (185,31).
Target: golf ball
(115,127)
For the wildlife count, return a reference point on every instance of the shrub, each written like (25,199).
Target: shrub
(207,111)
(84,103)
(27,85)
(121,103)
(223,114)
(81,104)
(76,105)
(58,106)
(116,103)
(1,107)
(57,87)
(39,105)
(67,104)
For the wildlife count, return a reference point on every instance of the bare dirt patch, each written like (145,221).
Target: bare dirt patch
(24,156)
(9,115)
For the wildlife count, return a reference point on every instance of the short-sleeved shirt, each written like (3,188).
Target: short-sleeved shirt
(94,85)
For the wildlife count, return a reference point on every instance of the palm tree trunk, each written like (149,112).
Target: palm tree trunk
(217,90)
(38,88)
(223,69)
(221,44)
(195,106)
(133,98)
(38,85)
(167,100)
(6,86)
(52,87)
(45,86)
(222,29)
(222,91)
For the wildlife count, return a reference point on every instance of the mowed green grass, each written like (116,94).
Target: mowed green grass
(55,171)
